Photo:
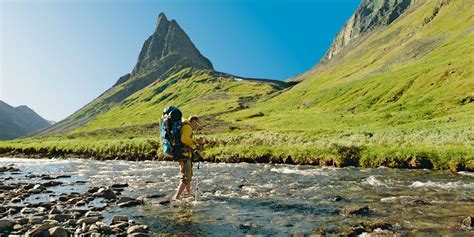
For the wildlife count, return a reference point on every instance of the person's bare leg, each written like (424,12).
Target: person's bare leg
(188,188)
(181,188)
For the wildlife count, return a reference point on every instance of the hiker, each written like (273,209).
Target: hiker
(185,161)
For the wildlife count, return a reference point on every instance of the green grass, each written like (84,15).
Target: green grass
(399,97)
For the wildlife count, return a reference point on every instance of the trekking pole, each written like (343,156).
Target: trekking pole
(197,186)
(198,156)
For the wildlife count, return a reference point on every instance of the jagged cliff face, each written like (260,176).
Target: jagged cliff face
(169,43)
(370,15)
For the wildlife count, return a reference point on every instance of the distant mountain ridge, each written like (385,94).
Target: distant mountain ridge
(19,121)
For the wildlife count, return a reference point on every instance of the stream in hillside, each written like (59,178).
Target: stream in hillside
(266,199)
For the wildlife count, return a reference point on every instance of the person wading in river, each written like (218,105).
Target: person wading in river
(185,161)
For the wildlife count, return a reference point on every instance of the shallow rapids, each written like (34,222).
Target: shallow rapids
(239,199)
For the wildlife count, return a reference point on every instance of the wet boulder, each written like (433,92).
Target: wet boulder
(62,198)
(46,205)
(467,223)
(28,210)
(121,225)
(64,176)
(118,219)
(336,199)
(54,211)
(151,196)
(60,217)
(93,190)
(93,214)
(6,187)
(128,202)
(39,229)
(137,229)
(58,231)
(105,193)
(87,220)
(94,228)
(35,191)
(36,219)
(70,222)
(104,228)
(74,200)
(6,225)
(16,200)
(17,227)
(81,203)
(139,234)
(21,220)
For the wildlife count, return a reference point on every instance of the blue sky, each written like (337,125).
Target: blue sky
(56,56)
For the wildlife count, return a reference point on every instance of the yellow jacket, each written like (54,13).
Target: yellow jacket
(187,138)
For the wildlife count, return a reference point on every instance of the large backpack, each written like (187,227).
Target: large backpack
(170,131)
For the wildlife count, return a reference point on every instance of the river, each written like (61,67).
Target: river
(267,199)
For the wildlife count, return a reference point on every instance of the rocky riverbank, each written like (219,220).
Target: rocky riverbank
(64,214)
(57,197)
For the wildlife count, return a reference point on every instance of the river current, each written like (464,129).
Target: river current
(268,199)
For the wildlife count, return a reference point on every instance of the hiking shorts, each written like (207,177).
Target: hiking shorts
(186,170)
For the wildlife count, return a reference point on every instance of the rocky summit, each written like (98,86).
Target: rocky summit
(169,45)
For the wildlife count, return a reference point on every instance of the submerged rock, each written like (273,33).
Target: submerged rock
(355,210)
(52,184)
(124,185)
(380,225)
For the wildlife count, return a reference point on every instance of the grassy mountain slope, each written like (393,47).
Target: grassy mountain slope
(406,88)
(200,92)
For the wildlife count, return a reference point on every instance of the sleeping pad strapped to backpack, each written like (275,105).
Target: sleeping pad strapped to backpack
(170,131)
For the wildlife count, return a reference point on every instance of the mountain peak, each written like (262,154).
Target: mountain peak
(370,15)
(162,20)
(169,46)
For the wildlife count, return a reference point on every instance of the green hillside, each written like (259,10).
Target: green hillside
(398,95)
(200,92)
(406,88)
